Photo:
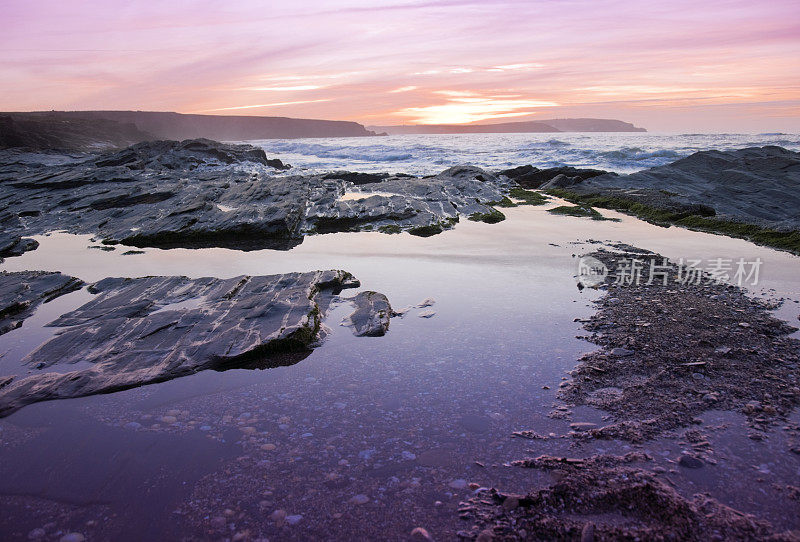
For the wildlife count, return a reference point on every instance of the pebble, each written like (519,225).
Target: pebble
(418,533)
(427,303)
(427,314)
(359,499)
(168,419)
(294,519)
(36,534)
(621,352)
(460,483)
(268,447)
(205,428)
(133,425)
(72,537)
(249,430)
(278,516)
(408,456)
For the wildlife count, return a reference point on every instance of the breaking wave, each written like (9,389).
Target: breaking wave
(430,154)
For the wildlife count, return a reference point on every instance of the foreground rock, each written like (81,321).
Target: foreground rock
(152,329)
(200,193)
(372,314)
(22,292)
(673,350)
(606,498)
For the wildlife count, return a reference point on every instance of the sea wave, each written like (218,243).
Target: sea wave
(427,154)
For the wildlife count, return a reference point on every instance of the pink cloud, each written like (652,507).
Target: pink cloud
(591,57)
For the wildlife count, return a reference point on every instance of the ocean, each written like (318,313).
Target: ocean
(430,154)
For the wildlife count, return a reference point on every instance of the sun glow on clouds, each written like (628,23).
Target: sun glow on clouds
(286,89)
(464,107)
(403,89)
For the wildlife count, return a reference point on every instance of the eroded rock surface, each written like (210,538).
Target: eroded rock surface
(152,329)
(200,193)
(22,292)
(756,185)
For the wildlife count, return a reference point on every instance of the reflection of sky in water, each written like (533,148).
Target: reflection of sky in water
(462,381)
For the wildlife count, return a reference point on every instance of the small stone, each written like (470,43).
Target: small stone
(268,447)
(427,314)
(229,513)
(248,430)
(72,537)
(485,536)
(294,519)
(168,419)
(205,428)
(133,425)
(408,456)
(690,461)
(418,533)
(458,483)
(621,352)
(36,534)
(359,499)
(426,303)
(278,516)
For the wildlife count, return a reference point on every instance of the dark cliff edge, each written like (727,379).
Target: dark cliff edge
(539,126)
(102,130)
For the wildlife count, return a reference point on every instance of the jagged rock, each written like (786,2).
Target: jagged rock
(372,314)
(22,292)
(532,177)
(152,329)
(187,154)
(199,193)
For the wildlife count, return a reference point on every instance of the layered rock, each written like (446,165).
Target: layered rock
(152,329)
(201,193)
(756,185)
(22,292)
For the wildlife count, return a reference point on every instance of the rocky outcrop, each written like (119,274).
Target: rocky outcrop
(183,155)
(372,314)
(49,132)
(200,193)
(532,177)
(22,292)
(756,185)
(152,329)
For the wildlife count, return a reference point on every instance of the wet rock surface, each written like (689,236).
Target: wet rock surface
(730,353)
(757,185)
(22,292)
(152,329)
(372,314)
(200,193)
(606,497)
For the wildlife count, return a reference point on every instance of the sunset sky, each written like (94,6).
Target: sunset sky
(708,65)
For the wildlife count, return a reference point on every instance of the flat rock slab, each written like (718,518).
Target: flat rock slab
(152,329)
(22,292)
